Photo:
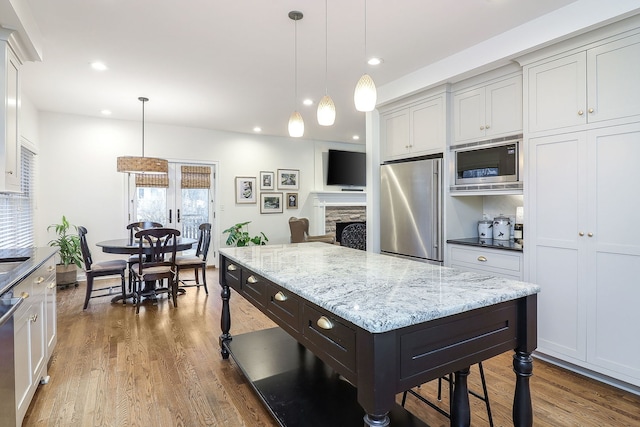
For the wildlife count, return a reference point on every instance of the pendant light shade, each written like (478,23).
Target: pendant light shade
(326,111)
(296,125)
(326,108)
(365,95)
(142,165)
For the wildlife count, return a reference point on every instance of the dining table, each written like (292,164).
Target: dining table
(128,246)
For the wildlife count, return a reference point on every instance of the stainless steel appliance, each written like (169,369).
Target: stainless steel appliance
(487,162)
(411,209)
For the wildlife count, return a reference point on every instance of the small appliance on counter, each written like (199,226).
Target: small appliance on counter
(501,227)
(485,229)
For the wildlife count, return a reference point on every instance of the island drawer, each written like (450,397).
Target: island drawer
(283,307)
(330,335)
(494,261)
(254,287)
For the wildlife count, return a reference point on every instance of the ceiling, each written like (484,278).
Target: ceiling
(229,65)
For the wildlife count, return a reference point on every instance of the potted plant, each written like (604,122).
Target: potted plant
(69,252)
(239,235)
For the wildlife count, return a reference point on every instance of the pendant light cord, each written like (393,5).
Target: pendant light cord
(295,64)
(326,48)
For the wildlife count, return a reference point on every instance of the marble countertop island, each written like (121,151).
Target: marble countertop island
(378,293)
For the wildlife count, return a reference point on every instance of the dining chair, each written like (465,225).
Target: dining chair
(157,252)
(197,261)
(99,269)
(133,228)
(449,379)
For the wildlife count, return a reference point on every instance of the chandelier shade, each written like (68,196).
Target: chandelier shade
(296,125)
(142,165)
(365,94)
(326,111)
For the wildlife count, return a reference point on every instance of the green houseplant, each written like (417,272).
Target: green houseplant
(239,235)
(69,252)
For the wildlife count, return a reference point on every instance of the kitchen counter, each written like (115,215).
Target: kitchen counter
(509,245)
(375,292)
(16,264)
(385,324)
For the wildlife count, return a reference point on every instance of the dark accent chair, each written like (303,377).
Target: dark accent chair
(197,261)
(133,228)
(300,232)
(354,236)
(449,378)
(99,269)
(157,250)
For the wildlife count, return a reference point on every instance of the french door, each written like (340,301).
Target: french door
(183,199)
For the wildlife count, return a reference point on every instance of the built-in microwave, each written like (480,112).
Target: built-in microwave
(487,162)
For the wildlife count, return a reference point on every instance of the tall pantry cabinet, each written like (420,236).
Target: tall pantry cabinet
(582,192)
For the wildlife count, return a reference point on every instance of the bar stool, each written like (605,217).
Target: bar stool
(449,378)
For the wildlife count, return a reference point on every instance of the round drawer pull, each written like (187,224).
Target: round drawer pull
(24,295)
(51,268)
(52,285)
(39,280)
(252,279)
(231,267)
(279,296)
(324,323)
(482,258)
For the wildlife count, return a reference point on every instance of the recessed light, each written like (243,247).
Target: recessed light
(105,112)
(98,66)
(307,102)
(355,137)
(375,61)
(257,129)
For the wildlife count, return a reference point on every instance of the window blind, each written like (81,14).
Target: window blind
(16,209)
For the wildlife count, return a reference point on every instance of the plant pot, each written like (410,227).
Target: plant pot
(66,274)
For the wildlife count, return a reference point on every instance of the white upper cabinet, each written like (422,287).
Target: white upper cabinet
(592,86)
(414,129)
(9,135)
(488,111)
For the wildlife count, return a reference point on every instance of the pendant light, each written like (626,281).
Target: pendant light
(142,165)
(296,124)
(326,107)
(365,94)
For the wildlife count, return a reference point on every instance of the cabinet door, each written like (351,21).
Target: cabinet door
(557,95)
(428,127)
(556,217)
(51,335)
(22,368)
(469,115)
(10,117)
(613,83)
(614,250)
(503,113)
(395,133)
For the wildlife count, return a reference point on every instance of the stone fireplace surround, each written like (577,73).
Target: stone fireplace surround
(330,207)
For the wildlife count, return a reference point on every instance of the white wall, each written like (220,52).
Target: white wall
(77,173)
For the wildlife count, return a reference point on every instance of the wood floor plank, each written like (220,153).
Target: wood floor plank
(163,368)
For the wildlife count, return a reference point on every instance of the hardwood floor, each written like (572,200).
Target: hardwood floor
(163,368)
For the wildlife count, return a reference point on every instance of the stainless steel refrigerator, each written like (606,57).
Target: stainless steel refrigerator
(411,209)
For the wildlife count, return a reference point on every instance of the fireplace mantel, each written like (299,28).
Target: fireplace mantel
(322,199)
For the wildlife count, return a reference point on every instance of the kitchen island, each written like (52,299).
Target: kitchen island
(384,324)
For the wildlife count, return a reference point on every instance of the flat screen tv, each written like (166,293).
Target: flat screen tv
(346,168)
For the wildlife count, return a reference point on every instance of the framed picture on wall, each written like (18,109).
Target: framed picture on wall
(246,191)
(267,180)
(288,179)
(270,203)
(292,200)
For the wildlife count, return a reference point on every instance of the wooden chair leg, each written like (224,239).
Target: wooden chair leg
(89,290)
(124,289)
(204,278)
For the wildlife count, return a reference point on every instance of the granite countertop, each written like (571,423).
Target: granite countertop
(510,245)
(376,292)
(19,263)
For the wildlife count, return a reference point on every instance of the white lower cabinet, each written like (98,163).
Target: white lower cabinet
(583,248)
(498,262)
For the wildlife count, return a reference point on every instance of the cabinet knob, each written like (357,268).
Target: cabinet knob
(24,295)
(482,258)
(51,268)
(591,110)
(10,172)
(581,233)
(590,234)
(52,285)
(481,127)
(324,323)
(252,279)
(279,296)
(39,280)
(580,113)
(486,127)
